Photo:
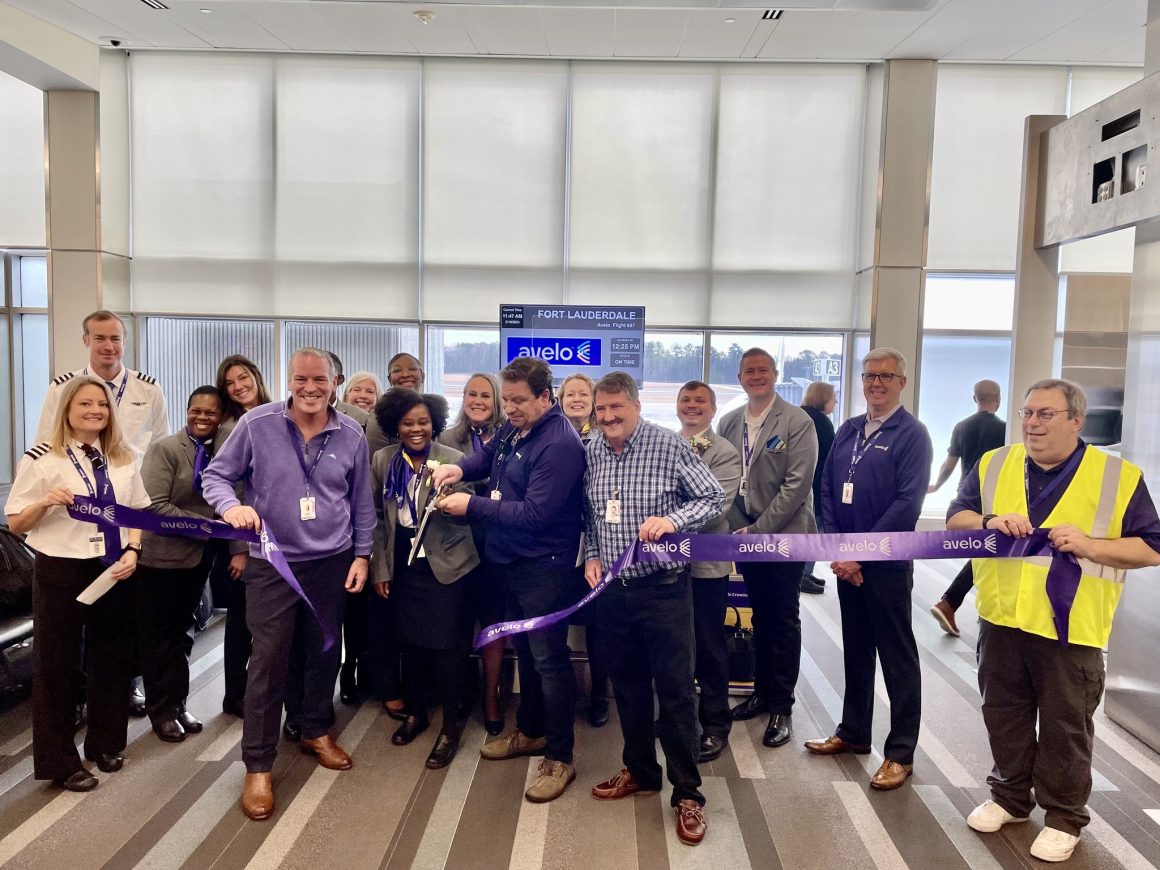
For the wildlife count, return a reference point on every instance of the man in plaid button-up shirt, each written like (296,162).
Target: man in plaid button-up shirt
(642,481)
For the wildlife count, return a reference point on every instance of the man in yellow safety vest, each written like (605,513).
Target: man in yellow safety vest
(1041,638)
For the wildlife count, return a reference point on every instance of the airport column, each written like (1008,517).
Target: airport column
(903,205)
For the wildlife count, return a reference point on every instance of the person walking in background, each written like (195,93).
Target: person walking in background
(970,439)
(819,402)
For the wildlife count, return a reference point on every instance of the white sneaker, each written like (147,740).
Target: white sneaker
(1053,844)
(989,817)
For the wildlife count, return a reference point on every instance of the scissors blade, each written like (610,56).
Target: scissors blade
(428,509)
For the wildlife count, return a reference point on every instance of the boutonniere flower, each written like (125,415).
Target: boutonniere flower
(434,463)
(700,443)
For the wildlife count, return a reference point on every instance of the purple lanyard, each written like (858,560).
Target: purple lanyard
(1072,464)
(861,445)
(121,391)
(101,474)
(308,473)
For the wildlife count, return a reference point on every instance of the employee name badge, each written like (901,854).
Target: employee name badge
(847,493)
(612,511)
(97,545)
(743,489)
(306,508)
(496,495)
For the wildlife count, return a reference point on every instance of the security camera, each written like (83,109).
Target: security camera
(116,43)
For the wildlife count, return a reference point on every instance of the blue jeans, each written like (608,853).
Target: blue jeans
(547,681)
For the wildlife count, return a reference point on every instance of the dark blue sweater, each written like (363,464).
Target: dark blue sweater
(889,483)
(541,482)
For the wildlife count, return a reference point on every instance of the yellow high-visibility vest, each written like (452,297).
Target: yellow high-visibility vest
(1013,592)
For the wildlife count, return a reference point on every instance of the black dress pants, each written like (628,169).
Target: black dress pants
(876,620)
(231,594)
(62,624)
(441,668)
(166,601)
(650,645)
(275,614)
(710,596)
(956,593)
(773,589)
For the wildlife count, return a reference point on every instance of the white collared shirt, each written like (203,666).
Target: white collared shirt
(873,424)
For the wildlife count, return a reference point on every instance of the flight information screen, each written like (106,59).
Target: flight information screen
(589,339)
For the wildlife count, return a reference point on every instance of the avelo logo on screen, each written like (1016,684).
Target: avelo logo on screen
(576,351)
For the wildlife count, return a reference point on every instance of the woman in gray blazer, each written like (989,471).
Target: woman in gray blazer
(173,570)
(431,607)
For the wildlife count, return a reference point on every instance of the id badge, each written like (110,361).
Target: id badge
(496,495)
(97,546)
(306,508)
(847,493)
(612,511)
(743,489)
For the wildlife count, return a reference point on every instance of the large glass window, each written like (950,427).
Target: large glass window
(670,360)
(801,359)
(5,397)
(34,372)
(454,355)
(183,354)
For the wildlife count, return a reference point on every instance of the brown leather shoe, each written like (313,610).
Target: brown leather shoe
(890,775)
(622,785)
(690,822)
(944,614)
(258,796)
(835,745)
(330,754)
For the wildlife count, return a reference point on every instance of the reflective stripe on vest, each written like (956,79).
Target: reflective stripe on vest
(1013,592)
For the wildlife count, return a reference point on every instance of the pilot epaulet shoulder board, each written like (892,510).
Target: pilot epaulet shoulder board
(149,379)
(38,451)
(61,379)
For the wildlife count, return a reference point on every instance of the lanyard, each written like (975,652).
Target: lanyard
(294,434)
(200,458)
(861,445)
(105,486)
(121,391)
(1065,472)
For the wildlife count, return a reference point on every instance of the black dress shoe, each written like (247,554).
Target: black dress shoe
(711,748)
(190,722)
(79,716)
(811,586)
(136,703)
(779,730)
(411,728)
(234,708)
(348,685)
(752,706)
(292,731)
(82,780)
(444,751)
(171,731)
(108,762)
(598,713)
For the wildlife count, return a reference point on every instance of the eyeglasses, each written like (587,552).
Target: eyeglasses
(881,377)
(1044,415)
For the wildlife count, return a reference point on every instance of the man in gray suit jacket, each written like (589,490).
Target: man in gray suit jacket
(779,449)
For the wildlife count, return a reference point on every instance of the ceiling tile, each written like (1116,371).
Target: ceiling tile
(368,27)
(648,32)
(708,35)
(302,26)
(445,34)
(68,16)
(948,27)
(1024,23)
(578,32)
(873,35)
(225,26)
(1095,32)
(152,26)
(1130,51)
(805,34)
(509,29)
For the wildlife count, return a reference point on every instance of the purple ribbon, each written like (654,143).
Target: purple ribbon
(1062,577)
(111,515)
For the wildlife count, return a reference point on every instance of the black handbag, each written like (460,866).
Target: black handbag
(739,646)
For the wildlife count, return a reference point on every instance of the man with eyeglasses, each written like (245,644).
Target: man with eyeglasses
(1099,510)
(875,479)
(970,439)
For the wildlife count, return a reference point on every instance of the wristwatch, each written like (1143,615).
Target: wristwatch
(987,518)
(136,548)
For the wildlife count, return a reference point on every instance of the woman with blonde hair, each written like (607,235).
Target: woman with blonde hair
(86,456)
(362,390)
(577,393)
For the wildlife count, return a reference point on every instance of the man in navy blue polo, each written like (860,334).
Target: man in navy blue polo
(874,481)
(533,516)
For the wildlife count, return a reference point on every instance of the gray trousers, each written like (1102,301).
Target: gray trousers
(1024,677)
(274,613)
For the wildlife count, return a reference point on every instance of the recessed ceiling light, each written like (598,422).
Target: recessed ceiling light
(730,20)
(206,11)
(424,16)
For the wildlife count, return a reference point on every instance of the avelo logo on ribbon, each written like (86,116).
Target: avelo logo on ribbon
(577,351)
(781,547)
(882,546)
(684,546)
(988,544)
